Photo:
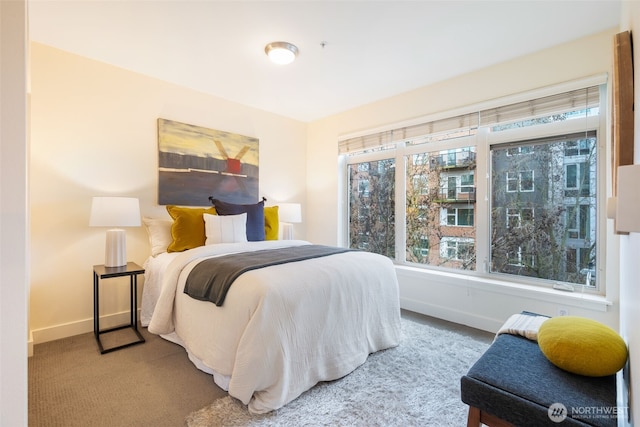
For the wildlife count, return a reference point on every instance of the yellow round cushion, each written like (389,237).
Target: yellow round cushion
(582,346)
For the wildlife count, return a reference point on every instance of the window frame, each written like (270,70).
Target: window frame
(482,139)
(446,213)
(517,214)
(520,255)
(518,181)
(458,241)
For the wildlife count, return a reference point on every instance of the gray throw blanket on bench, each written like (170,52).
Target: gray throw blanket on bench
(211,279)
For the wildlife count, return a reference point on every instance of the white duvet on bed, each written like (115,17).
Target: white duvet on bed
(283,328)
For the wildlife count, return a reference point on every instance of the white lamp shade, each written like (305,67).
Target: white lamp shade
(115,212)
(290,212)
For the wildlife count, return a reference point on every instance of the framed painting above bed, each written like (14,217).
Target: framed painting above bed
(195,162)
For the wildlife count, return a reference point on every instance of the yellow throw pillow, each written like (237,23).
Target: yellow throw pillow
(271,223)
(582,346)
(187,230)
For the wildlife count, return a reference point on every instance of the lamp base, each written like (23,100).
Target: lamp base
(115,248)
(287,231)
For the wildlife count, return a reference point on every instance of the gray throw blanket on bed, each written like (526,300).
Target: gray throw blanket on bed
(211,278)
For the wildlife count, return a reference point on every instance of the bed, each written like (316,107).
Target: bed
(281,329)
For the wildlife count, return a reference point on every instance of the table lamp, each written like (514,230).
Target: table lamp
(289,213)
(115,212)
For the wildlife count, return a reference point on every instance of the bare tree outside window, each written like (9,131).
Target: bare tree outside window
(440,223)
(371,206)
(543,209)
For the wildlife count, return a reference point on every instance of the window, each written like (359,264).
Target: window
(512,182)
(371,206)
(578,221)
(467,183)
(520,181)
(424,247)
(516,151)
(508,191)
(577,179)
(519,217)
(456,249)
(363,187)
(571,176)
(526,181)
(563,220)
(513,218)
(447,211)
(521,259)
(577,147)
(457,216)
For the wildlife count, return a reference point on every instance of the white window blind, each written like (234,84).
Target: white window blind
(560,103)
(366,142)
(580,99)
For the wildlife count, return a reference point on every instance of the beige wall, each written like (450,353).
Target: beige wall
(474,302)
(93,132)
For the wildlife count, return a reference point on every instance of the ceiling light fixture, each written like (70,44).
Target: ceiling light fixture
(281,52)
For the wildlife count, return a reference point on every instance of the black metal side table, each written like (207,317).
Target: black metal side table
(102,272)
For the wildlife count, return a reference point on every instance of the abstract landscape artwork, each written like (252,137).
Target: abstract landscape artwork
(195,163)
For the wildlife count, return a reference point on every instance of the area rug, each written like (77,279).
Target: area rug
(414,384)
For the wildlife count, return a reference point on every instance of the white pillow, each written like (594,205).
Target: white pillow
(159,230)
(225,228)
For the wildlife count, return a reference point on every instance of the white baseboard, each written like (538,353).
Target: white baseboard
(56,332)
(451,315)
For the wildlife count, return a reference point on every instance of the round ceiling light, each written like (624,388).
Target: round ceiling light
(281,52)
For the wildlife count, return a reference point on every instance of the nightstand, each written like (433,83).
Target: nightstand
(101,272)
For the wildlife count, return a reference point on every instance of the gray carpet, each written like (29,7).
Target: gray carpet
(151,384)
(414,384)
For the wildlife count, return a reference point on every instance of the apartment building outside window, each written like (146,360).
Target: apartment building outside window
(563,206)
(371,210)
(527,169)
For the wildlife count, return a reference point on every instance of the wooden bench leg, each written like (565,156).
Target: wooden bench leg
(477,418)
(473,420)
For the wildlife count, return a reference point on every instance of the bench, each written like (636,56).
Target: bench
(513,383)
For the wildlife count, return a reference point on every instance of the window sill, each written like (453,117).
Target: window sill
(584,300)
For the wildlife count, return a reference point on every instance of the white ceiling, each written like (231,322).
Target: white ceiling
(374,49)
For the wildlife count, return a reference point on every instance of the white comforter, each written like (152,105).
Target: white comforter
(284,328)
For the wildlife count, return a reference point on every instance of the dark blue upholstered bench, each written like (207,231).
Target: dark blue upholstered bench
(513,383)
